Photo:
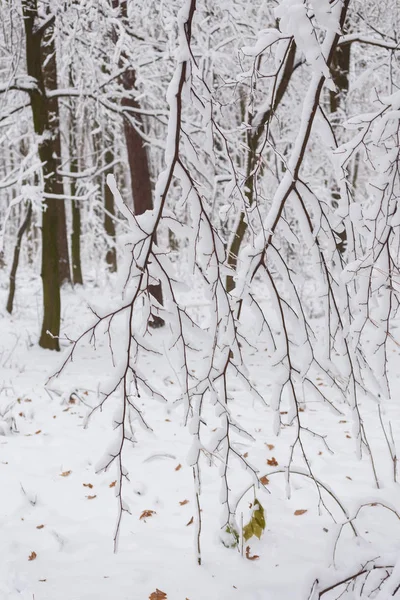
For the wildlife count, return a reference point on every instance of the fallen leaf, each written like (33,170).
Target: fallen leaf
(342,421)
(86,393)
(190,522)
(264,480)
(39,526)
(72,400)
(147,513)
(89,485)
(158,595)
(245,455)
(348,436)
(66,409)
(347,477)
(91,497)
(27,400)
(38,431)
(184,502)
(284,412)
(300,511)
(168,420)
(272,462)
(270,446)
(301,409)
(42,580)
(319,453)
(113,483)
(65,473)
(254,557)
(178,467)
(32,555)
(21,414)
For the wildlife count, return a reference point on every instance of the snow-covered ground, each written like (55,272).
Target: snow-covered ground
(58,516)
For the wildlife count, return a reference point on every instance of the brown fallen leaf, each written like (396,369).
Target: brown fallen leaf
(21,414)
(65,473)
(158,595)
(27,400)
(168,420)
(179,467)
(254,557)
(270,446)
(39,526)
(272,462)
(300,511)
(348,436)
(245,455)
(284,412)
(91,497)
(89,485)
(32,555)
(66,409)
(342,421)
(264,480)
(189,522)
(147,513)
(113,483)
(184,502)
(38,431)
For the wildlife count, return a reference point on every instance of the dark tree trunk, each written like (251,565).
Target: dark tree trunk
(50,223)
(137,156)
(50,81)
(253,139)
(17,249)
(76,212)
(109,224)
(340,69)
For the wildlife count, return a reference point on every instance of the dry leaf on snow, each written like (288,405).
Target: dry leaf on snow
(264,480)
(65,473)
(91,497)
(113,483)
(39,526)
(301,511)
(184,502)
(178,467)
(147,513)
(254,557)
(190,522)
(270,446)
(158,595)
(89,485)
(272,462)
(32,555)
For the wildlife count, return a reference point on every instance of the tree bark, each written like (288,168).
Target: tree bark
(137,157)
(17,249)
(253,139)
(109,225)
(50,81)
(50,222)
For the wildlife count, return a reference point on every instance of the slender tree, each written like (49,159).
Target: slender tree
(52,187)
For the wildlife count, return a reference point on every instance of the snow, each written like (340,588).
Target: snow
(49,460)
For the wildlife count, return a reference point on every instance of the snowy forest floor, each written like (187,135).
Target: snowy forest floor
(57,516)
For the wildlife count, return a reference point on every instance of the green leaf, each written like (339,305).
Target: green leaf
(231,537)
(256,524)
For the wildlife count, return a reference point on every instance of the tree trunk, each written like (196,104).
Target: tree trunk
(137,157)
(109,225)
(50,81)
(340,69)
(17,249)
(253,139)
(76,211)
(50,222)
